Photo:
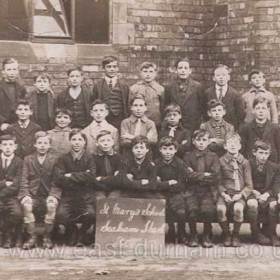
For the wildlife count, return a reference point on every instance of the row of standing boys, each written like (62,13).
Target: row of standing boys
(62,152)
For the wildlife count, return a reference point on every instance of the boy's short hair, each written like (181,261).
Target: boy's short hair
(260,99)
(261,145)
(168,141)
(253,72)
(76,68)
(43,75)
(140,139)
(199,133)
(103,133)
(108,59)
(218,66)
(24,102)
(8,137)
(232,135)
(64,111)
(40,134)
(148,64)
(213,103)
(9,60)
(186,59)
(173,107)
(76,131)
(138,96)
(99,102)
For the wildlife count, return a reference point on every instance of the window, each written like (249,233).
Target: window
(81,21)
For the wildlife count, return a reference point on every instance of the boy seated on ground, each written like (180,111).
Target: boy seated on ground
(203,177)
(38,195)
(99,112)
(262,204)
(171,185)
(10,210)
(60,134)
(174,128)
(108,163)
(217,127)
(75,176)
(24,129)
(235,188)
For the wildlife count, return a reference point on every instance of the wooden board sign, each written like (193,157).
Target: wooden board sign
(130,224)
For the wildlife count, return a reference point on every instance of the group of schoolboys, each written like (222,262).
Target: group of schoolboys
(62,152)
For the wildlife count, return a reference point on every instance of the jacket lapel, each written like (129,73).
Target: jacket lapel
(189,93)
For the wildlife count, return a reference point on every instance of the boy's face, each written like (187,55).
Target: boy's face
(217,113)
(261,155)
(184,70)
(138,108)
(148,74)
(10,72)
(140,150)
(8,147)
(77,142)
(168,152)
(111,69)
(221,76)
(23,112)
(257,80)
(42,84)
(105,143)
(62,120)
(201,143)
(233,146)
(99,112)
(173,118)
(261,111)
(42,145)
(75,78)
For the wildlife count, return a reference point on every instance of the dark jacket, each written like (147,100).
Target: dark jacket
(191,104)
(82,179)
(235,105)
(180,135)
(33,97)
(272,178)
(172,171)
(249,134)
(12,173)
(196,179)
(88,97)
(7,105)
(25,137)
(37,180)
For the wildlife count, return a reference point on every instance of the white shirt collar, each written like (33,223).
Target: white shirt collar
(25,123)
(114,80)
(74,93)
(225,88)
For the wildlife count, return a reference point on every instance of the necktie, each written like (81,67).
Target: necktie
(235,175)
(220,93)
(108,166)
(5,163)
(138,127)
(172,131)
(110,84)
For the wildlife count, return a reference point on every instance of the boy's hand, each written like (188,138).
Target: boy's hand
(257,194)
(263,198)
(236,197)
(144,182)
(26,200)
(116,173)
(172,182)
(9,183)
(227,198)
(129,177)
(4,126)
(128,136)
(98,178)
(184,142)
(190,169)
(67,175)
(158,179)
(207,174)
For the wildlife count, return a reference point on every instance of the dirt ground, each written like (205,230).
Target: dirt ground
(172,262)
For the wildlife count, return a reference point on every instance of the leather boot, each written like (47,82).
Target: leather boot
(206,237)
(226,234)
(235,242)
(182,236)
(170,235)
(193,242)
(272,233)
(258,236)
(47,241)
(32,237)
